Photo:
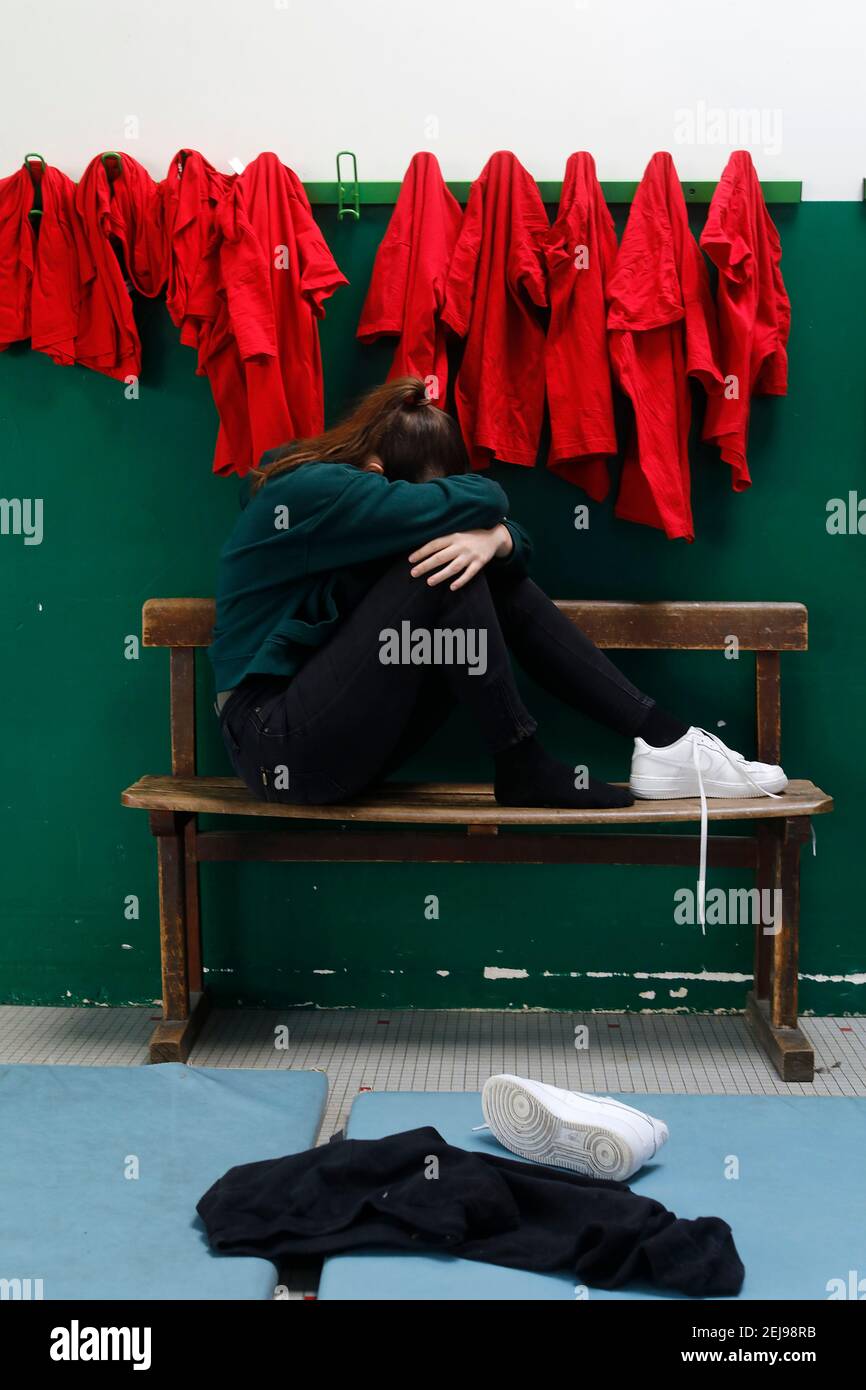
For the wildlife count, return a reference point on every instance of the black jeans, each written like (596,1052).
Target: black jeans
(349,718)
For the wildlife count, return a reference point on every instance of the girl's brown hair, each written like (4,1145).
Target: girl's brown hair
(396,423)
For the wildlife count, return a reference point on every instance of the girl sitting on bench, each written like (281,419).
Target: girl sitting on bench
(371,583)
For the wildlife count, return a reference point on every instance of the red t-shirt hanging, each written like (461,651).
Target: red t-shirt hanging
(39,281)
(122,211)
(495,287)
(407,287)
(580,251)
(216,262)
(753,307)
(190,192)
(662,331)
(285,393)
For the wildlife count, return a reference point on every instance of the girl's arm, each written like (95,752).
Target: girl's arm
(371,517)
(462,555)
(521,550)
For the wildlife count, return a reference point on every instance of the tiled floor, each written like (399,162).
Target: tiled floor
(455,1050)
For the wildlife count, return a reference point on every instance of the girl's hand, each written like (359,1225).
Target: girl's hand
(461,556)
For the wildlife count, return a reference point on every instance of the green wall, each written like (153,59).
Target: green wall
(131,510)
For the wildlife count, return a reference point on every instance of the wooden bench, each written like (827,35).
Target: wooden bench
(459,823)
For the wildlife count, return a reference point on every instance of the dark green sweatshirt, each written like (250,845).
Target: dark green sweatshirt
(313,539)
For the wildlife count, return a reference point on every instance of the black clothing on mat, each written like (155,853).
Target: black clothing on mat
(413,1191)
(345,719)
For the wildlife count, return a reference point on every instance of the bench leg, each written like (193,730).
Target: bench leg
(193,913)
(771,1009)
(767,880)
(183,1011)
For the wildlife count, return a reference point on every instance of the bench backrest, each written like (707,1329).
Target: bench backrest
(183,624)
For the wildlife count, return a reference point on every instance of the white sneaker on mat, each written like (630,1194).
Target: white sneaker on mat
(699,761)
(593,1135)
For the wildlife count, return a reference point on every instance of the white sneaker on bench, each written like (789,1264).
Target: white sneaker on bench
(697,762)
(594,1135)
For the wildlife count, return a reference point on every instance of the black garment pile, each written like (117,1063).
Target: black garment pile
(412,1191)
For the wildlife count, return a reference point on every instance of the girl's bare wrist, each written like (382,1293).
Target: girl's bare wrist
(506,542)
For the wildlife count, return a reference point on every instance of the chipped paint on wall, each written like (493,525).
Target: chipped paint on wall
(720,977)
(496,972)
(857,979)
(680,1010)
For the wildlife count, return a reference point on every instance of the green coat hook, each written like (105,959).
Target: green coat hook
(354,209)
(112,154)
(36,210)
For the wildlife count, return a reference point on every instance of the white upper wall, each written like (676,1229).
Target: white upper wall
(621,78)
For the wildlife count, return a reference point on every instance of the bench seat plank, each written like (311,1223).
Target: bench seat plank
(457,803)
(612,623)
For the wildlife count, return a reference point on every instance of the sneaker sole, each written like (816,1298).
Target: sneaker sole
(669,789)
(532,1129)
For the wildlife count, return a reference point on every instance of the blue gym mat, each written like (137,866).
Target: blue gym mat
(70,1215)
(797,1208)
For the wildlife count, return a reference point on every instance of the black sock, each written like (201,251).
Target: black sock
(527,775)
(660,728)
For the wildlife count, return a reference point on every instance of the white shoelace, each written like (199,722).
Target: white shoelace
(735,759)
